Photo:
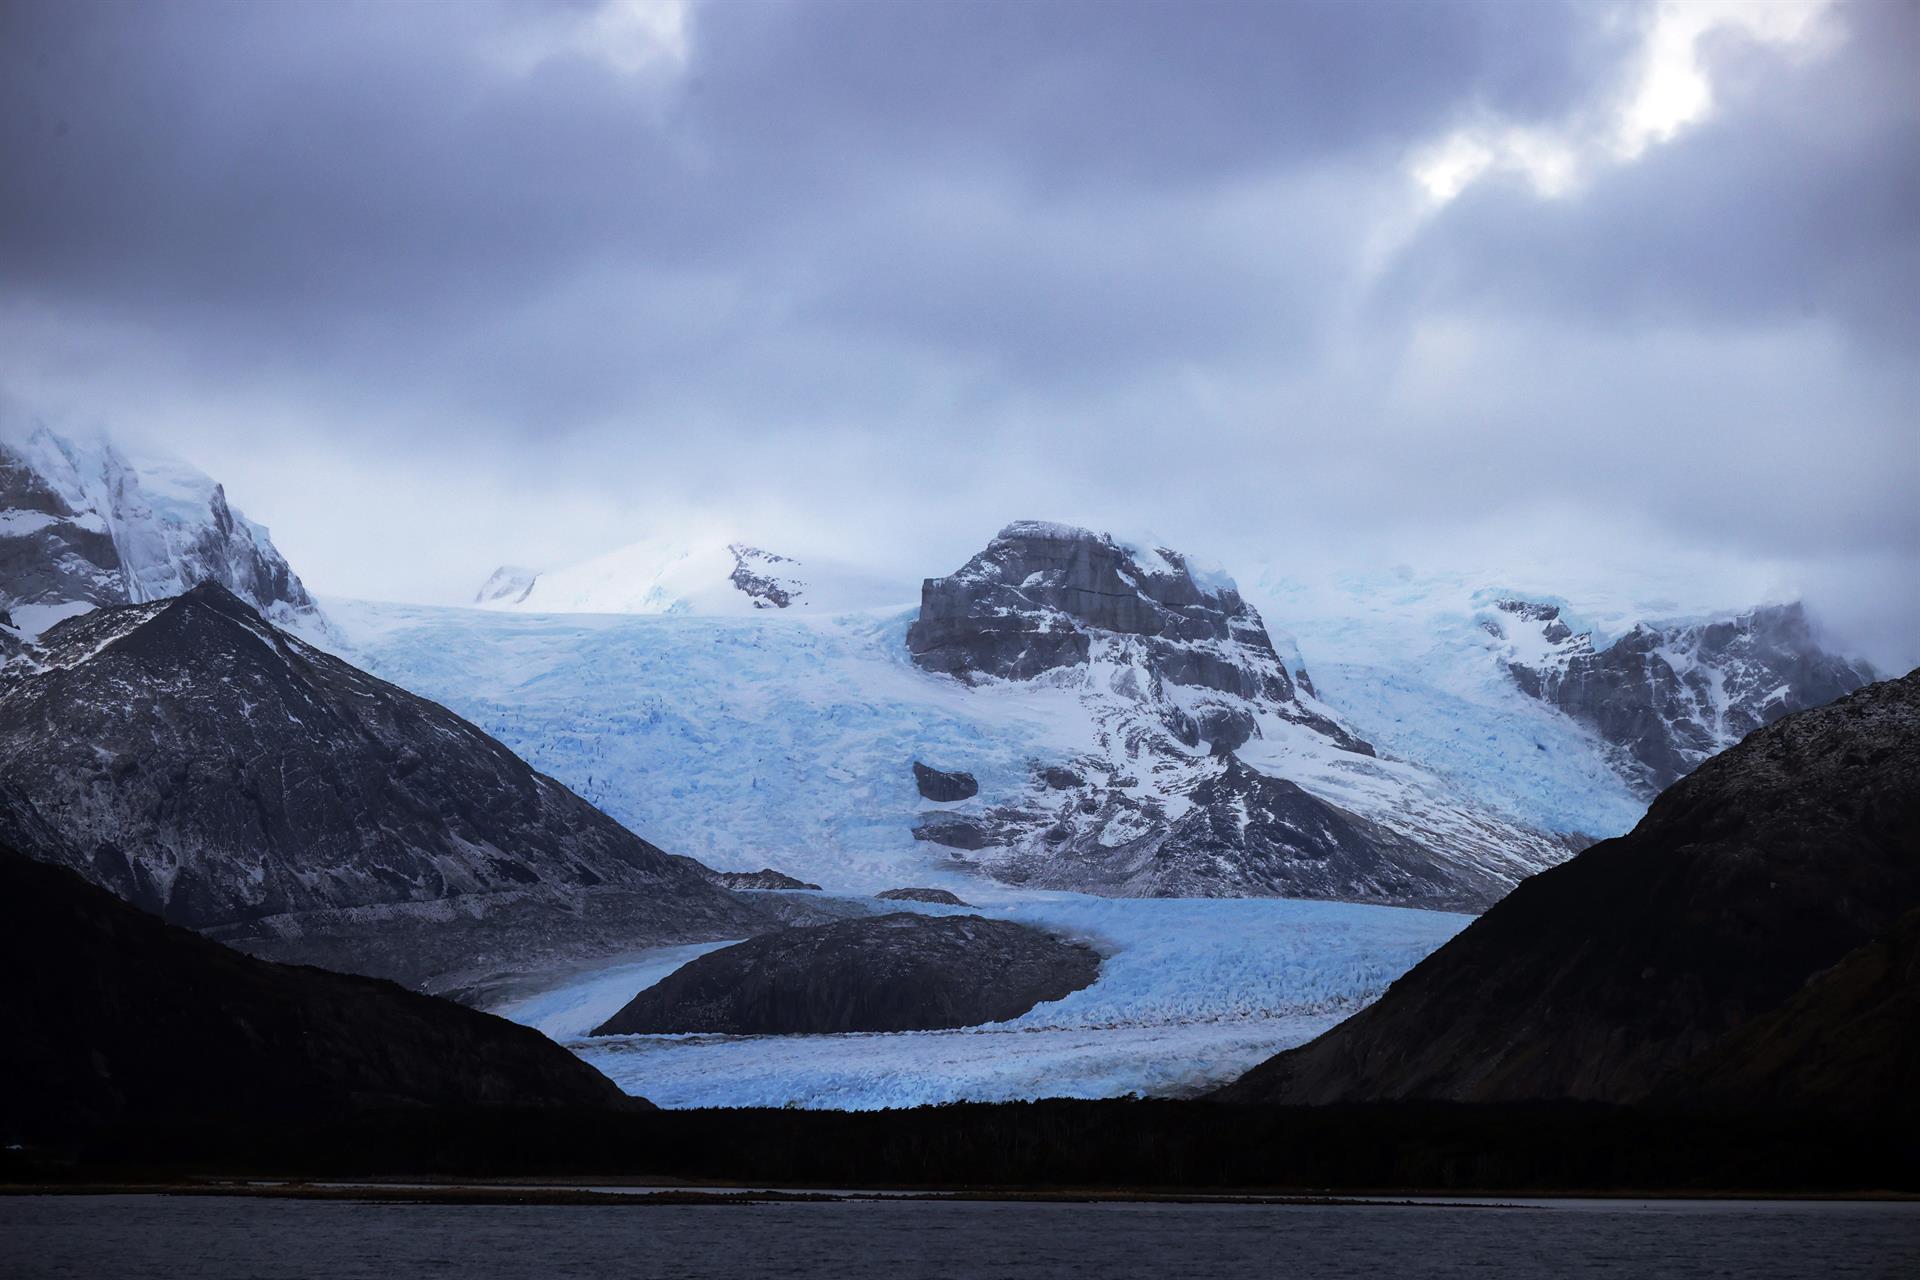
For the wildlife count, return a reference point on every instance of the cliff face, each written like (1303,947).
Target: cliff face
(82,526)
(1667,696)
(1044,596)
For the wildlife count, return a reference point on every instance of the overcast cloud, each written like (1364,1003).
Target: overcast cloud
(433,287)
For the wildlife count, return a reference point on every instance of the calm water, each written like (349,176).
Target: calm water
(135,1236)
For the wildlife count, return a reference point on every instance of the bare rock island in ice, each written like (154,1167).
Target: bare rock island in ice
(904,972)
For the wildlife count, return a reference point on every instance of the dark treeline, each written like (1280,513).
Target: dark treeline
(1058,1144)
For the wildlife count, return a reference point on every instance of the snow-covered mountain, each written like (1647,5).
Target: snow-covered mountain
(1669,695)
(1211,770)
(222,773)
(706,576)
(1181,754)
(83,525)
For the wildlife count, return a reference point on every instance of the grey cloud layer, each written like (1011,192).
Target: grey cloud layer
(920,267)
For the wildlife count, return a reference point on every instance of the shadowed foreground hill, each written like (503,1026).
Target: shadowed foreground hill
(1612,976)
(113,1017)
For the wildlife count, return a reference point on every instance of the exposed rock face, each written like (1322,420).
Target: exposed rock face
(764,878)
(116,1016)
(906,972)
(81,526)
(210,768)
(763,577)
(1243,833)
(942,897)
(942,787)
(1047,596)
(1669,695)
(1196,721)
(507,585)
(1608,977)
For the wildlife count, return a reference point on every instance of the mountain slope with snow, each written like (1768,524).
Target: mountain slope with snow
(1170,763)
(83,525)
(699,575)
(1669,695)
(213,769)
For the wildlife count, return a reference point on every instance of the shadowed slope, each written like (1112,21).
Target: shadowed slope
(1601,978)
(113,1016)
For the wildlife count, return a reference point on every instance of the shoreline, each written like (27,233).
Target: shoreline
(588,1192)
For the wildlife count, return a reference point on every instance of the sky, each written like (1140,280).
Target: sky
(1595,290)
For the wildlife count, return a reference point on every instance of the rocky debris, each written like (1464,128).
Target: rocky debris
(902,972)
(509,584)
(764,878)
(757,575)
(81,526)
(943,787)
(1610,977)
(952,831)
(1668,695)
(1239,833)
(128,1020)
(208,767)
(941,897)
(1180,680)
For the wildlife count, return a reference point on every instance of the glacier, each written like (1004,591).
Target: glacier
(1191,993)
(787,741)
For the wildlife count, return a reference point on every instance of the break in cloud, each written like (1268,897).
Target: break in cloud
(1326,284)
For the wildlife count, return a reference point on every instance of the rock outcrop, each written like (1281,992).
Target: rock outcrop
(119,1018)
(904,972)
(212,769)
(764,878)
(942,787)
(939,897)
(81,526)
(765,578)
(1667,696)
(1043,597)
(1610,977)
(508,585)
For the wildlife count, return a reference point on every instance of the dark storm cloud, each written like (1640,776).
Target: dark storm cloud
(351,183)
(921,267)
(1799,199)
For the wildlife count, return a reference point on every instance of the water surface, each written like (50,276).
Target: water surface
(261,1239)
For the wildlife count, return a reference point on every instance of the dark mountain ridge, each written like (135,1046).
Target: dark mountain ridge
(115,1018)
(1607,977)
(204,765)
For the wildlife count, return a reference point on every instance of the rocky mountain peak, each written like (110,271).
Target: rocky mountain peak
(1202,742)
(82,525)
(1053,601)
(200,762)
(1667,695)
